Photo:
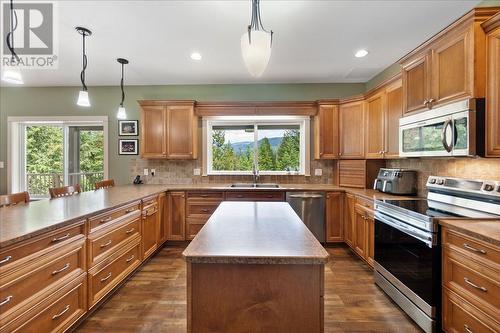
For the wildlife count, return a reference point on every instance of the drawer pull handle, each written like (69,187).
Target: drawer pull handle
(204,195)
(204,210)
(468,247)
(129,231)
(467,329)
(129,210)
(107,219)
(6,259)
(239,196)
(6,300)
(131,258)
(470,283)
(270,196)
(66,308)
(107,277)
(108,243)
(60,238)
(65,267)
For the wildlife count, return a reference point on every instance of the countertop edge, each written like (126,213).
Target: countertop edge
(451,224)
(248,260)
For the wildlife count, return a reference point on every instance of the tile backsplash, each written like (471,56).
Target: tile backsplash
(181,172)
(469,168)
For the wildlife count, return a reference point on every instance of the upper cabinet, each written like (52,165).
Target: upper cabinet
(169,129)
(374,132)
(326,131)
(448,67)
(492,28)
(393,111)
(351,130)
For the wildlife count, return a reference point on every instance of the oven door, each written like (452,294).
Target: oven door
(409,258)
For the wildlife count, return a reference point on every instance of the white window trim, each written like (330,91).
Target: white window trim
(303,121)
(15,148)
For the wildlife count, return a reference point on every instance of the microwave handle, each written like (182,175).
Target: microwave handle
(447,147)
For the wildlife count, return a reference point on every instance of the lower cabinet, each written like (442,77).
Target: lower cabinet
(163,218)
(359,227)
(150,219)
(349,216)
(360,232)
(334,207)
(176,213)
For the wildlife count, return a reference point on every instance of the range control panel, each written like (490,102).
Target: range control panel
(489,187)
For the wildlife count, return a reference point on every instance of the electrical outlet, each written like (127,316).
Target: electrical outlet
(153,172)
(197,172)
(146,172)
(318,172)
(1,165)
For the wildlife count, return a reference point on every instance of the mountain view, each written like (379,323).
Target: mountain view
(242,146)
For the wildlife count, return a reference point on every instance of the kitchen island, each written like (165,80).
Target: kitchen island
(255,267)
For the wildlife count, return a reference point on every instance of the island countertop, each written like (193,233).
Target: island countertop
(255,233)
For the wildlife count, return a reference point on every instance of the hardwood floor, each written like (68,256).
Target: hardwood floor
(154,299)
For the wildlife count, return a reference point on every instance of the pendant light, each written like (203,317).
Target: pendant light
(122,114)
(83,95)
(256,44)
(12,75)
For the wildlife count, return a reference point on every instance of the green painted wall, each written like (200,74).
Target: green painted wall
(489,3)
(60,101)
(382,76)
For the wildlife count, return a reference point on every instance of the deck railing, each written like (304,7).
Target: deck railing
(38,184)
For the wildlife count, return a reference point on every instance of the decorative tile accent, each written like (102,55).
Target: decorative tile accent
(469,168)
(181,172)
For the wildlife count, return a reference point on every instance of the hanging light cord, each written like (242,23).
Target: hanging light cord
(121,86)
(10,36)
(256,23)
(82,74)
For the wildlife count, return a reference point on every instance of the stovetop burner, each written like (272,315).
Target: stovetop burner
(419,206)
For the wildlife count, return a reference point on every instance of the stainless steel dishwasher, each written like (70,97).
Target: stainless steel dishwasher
(310,207)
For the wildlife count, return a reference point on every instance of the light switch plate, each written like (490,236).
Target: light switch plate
(146,172)
(318,172)
(153,172)
(1,165)
(197,172)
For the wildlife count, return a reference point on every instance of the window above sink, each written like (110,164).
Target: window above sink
(277,145)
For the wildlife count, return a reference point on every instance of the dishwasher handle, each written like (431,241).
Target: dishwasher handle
(306,196)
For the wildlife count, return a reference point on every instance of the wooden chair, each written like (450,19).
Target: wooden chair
(105,184)
(14,199)
(57,192)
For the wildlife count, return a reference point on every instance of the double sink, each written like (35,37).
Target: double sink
(256,185)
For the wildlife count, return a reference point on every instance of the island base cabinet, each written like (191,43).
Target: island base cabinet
(278,298)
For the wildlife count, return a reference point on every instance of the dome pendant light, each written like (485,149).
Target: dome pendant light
(12,75)
(83,95)
(122,114)
(256,44)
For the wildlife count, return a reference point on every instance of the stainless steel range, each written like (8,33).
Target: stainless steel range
(407,242)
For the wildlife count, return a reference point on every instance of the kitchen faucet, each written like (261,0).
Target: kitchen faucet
(255,173)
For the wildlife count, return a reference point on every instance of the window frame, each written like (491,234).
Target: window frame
(302,121)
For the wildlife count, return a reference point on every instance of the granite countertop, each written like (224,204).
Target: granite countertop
(255,233)
(485,230)
(26,221)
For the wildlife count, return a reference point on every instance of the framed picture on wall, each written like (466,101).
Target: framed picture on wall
(128,127)
(128,147)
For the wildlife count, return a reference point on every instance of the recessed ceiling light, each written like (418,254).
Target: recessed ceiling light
(361,53)
(196,56)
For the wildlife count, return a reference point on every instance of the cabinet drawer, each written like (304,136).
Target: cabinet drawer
(152,200)
(201,208)
(128,212)
(479,251)
(102,244)
(255,196)
(32,249)
(193,226)
(477,284)
(26,283)
(367,203)
(106,275)
(205,195)
(57,314)
(460,316)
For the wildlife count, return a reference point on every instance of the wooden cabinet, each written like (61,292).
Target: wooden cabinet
(334,209)
(163,216)
(471,283)
(199,207)
(492,27)
(360,231)
(370,239)
(358,173)
(176,216)
(449,67)
(153,133)
(349,216)
(326,132)
(393,111)
(375,125)
(351,130)
(169,129)
(255,196)
(150,226)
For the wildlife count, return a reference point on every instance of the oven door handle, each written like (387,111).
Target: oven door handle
(420,235)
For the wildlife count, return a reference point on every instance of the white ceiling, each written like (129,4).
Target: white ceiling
(314,41)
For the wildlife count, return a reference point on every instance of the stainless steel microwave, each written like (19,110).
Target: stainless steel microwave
(455,129)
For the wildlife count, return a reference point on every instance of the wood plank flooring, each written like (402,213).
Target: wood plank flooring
(154,299)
